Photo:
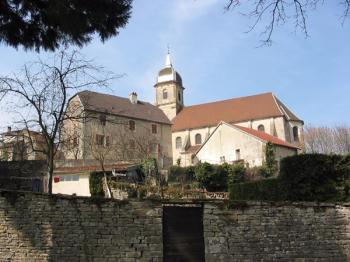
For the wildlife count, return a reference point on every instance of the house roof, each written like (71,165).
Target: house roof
(266,137)
(122,107)
(231,111)
(257,134)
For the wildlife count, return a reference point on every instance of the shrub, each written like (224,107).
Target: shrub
(267,189)
(181,174)
(269,166)
(212,177)
(237,173)
(309,177)
(96,184)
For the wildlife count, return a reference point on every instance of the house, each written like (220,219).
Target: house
(20,145)
(116,128)
(193,127)
(234,143)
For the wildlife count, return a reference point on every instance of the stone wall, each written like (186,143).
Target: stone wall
(271,232)
(36,227)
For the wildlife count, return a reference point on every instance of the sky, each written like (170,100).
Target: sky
(218,60)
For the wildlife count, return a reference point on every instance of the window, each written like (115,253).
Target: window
(178,142)
(222,159)
(75,141)
(132,125)
(238,154)
(198,139)
(154,129)
(295,133)
(179,95)
(165,94)
(107,141)
(153,148)
(103,120)
(261,128)
(100,140)
(132,144)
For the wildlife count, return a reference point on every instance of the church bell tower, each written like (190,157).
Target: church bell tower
(169,90)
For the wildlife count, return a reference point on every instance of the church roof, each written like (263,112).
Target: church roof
(231,111)
(122,106)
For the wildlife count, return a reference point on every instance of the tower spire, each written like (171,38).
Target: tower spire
(168,59)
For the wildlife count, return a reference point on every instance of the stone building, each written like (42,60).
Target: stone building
(106,127)
(20,145)
(250,122)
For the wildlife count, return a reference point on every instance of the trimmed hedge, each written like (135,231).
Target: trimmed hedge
(96,184)
(267,189)
(306,177)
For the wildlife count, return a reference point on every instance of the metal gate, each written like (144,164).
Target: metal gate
(183,238)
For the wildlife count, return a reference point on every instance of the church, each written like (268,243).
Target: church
(231,130)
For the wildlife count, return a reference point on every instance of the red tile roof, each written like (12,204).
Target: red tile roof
(231,111)
(266,137)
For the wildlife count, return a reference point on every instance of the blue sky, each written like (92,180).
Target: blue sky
(218,60)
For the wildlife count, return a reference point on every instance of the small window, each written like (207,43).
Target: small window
(295,133)
(222,159)
(178,142)
(100,140)
(132,144)
(179,95)
(132,125)
(154,129)
(198,139)
(261,128)
(103,120)
(153,147)
(75,141)
(107,141)
(165,94)
(238,154)
(75,178)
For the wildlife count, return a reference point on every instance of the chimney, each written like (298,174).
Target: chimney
(133,97)
(8,129)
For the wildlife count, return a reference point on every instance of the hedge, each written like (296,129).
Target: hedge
(212,177)
(267,189)
(306,177)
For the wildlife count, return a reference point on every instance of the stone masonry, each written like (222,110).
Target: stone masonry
(37,227)
(255,231)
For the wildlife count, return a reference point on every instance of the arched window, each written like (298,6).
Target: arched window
(165,94)
(295,133)
(261,128)
(198,139)
(178,142)
(132,125)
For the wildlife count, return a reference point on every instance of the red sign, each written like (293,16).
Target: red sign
(56,179)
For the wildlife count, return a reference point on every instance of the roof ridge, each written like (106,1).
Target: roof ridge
(230,99)
(121,97)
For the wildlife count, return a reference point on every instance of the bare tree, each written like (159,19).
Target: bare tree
(327,140)
(278,12)
(41,91)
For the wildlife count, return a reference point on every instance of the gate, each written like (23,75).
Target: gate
(183,238)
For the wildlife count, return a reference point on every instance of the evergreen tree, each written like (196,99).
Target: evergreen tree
(48,24)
